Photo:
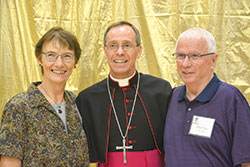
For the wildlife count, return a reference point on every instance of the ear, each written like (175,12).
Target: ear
(105,51)
(214,60)
(139,51)
(39,61)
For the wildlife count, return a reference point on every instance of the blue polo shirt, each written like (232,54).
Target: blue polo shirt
(229,142)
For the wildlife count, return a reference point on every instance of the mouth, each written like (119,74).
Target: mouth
(187,73)
(59,71)
(120,61)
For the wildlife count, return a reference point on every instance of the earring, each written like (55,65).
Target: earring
(40,65)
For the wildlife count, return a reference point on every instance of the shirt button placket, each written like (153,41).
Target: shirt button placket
(189,109)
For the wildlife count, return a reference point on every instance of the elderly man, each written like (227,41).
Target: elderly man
(124,115)
(208,121)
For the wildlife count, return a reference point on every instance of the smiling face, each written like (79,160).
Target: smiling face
(58,71)
(195,74)
(122,63)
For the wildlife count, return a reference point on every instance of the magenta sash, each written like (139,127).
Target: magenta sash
(135,159)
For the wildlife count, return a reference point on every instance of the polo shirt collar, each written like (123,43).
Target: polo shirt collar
(207,93)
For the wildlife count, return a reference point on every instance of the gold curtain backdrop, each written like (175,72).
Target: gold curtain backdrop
(23,22)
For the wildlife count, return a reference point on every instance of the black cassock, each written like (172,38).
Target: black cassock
(147,125)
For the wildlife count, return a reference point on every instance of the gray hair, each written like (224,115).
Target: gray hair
(193,33)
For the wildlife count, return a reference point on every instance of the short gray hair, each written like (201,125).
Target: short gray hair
(199,32)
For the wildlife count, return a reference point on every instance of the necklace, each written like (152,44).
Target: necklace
(58,106)
(124,147)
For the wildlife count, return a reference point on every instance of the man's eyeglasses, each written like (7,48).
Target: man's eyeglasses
(193,57)
(126,47)
(52,57)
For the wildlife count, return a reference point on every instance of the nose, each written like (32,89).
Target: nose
(186,61)
(59,61)
(120,50)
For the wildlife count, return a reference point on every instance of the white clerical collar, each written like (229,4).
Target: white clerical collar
(122,82)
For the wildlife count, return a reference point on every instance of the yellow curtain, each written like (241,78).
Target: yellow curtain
(23,22)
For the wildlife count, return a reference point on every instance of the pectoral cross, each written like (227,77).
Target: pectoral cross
(124,147)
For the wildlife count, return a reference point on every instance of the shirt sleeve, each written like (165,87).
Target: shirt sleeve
(241,139)
(11,129)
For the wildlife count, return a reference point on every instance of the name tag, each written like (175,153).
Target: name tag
(201,126)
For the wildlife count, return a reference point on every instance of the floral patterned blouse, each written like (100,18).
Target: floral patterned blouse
(32,131)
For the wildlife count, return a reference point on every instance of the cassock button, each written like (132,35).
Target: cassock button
(127,101)
(125,89)
(129,114)
(131,141)
(131,127)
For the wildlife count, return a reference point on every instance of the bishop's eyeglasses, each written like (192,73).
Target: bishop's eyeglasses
(52,57)
(126,47)
(193,57)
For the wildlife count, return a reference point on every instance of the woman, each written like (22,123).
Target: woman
(42,126)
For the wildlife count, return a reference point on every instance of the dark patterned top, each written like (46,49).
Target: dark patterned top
(32,131)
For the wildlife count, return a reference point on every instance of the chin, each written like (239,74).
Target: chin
(61,80)
(187,80)
(120,72)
